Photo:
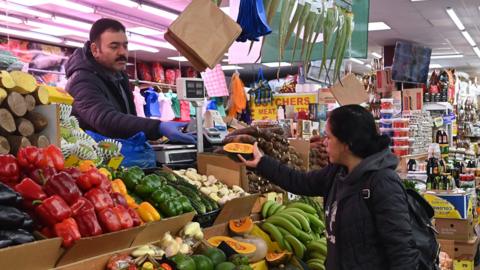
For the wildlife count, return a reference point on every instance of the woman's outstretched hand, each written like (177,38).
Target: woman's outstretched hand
(257,155)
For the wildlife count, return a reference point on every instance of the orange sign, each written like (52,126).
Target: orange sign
(268,111)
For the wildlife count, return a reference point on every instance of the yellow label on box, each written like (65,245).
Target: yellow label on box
(457,206)
(115,162)
(72,161)
(463,265)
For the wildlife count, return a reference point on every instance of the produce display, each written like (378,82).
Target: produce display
(20,125)
(318,153)
(273,143)
(211,186)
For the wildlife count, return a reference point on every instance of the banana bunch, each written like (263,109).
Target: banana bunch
(298,229)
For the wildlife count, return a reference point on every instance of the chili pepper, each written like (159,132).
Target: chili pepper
(55,157)
(84,214)
(89,179)
(68,231)
(10,217)
(99,198)
(137,221)
(132,177)
(118,199)
(119,186)
(30,190)
(122,213)
(8,196)
(53,210)
(31,157)
(109,220)
(147,212)
(9,169)
(41,176)
(63,185)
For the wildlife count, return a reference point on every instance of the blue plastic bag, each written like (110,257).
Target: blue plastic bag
(135,150)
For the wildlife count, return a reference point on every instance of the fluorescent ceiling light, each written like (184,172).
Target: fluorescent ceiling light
(55,30)
(276,64)
(377,26)
(138,47)
(377,55)
(30,35)
(158,12)
(477,51)
(23,9)
(231,67)
(368,66)
(469,38)
(151,42)
(145,31)
(356,61)
(73,23)
(178,58)
(417,0)
(225,60)
(74,6)
(10,19)
(455,18)
(446,56)
(435,66)
(226,54)
(30,2)
(127,3)
(74,44)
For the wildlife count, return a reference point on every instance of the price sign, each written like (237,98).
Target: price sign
(115,162)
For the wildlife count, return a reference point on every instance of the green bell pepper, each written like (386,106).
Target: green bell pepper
(132,177)
(153,180)
(171,191)
(186,204)
(171,208)
(159,197)
(145,190)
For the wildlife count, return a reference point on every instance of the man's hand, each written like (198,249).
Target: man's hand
(172,130)
(257,155)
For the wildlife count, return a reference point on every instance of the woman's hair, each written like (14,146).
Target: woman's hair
(355,126)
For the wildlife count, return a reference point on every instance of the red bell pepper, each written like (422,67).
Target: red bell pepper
(68,230)
(9,169)
(89,179)
(30,190)
(109,220)
(106,184)
(41,176)
(125,219)
(53,210)
(99,198)
(84,214)
(137,221)
(119,199)
(75,173)
(31,158)
(47,232)
(55,157)
(63,185)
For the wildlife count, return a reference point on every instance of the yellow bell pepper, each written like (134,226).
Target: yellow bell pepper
(148,266)
(147,212)
(119,186)
(130,201)
(86,165)
(106,173)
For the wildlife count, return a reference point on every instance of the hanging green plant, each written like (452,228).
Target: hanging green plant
(347,35)
(300,25)
(328,28)
(318,29)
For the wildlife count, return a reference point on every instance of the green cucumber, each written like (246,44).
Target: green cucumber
(303,206)
(298,247)
(265,207)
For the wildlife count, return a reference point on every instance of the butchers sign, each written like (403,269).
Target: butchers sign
(268,111)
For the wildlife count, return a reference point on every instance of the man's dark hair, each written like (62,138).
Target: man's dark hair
(102,25)
(355,126)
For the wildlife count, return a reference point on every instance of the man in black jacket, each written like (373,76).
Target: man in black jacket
(103,101)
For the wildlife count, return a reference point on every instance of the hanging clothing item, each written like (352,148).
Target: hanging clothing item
(175,103)
(238,99)
(185,111)
(252,19)
(220,106)
(139,102)
(152,108)
(192,109)
(215,82)
(166,111)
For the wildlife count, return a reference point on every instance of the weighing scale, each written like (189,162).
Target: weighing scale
(175,153)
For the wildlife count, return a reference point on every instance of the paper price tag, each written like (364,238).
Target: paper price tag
(72,161)
(115,162)
(438,121)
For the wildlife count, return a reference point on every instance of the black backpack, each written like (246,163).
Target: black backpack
(424,233)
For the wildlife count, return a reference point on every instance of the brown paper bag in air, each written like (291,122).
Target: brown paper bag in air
(203,33)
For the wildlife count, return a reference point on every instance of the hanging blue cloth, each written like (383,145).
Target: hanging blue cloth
(252,19)
(152,108)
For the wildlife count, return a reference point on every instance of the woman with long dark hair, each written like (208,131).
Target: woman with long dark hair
(373,235)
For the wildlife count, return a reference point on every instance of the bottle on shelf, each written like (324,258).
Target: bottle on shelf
(439,137)
(444,137)
(430,182)
(412,165)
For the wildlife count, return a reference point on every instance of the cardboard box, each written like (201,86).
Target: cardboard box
(224,169)
(451,205)
(236,209)
(151,233)
(303,149)
(447,246)
(460,250)
(455,229)
(271,196)
(38,255)
(463,265)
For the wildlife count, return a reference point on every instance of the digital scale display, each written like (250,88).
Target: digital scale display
(190,88)
(195,89)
